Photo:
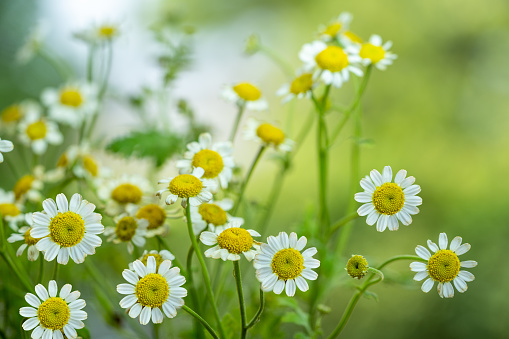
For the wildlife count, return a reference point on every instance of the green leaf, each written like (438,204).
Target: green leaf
(371,295)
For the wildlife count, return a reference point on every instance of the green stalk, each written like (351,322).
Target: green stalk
(55,272)
(248,176)
(41,269)
(256,317)
(342,222)
(202,321)
(192,289)
(241,107)
(242,305)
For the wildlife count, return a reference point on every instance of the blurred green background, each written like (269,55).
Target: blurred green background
(440,112)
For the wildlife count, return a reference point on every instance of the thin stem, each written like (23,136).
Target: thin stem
(342,222)
(62,71)
(41,269)
(400,257)
(90,63)
(248,176)
(192,288)
(204,270)
(55,272)
(156,330)
(201,320)
(242,305)
(256,317)
(241,107)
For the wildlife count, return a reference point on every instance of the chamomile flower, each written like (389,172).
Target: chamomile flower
(268,135)
(37,132)
(443,266)
(68,229)
(24,234)
(10,210)
(336,26)
(159,256)
(79,159)
(246,94)
(53,316)
(190,187)
(230,242)
(122,192)
(152,289)
(154,214)
(386,202)
(347,38)
(130,230)
(5,146)
(332,64)
(30,186)
(300,87)
(12,115)
(357,266)
(376,53)
(215,158)
(213,214)
(280,264)
(71,104)
(99,33)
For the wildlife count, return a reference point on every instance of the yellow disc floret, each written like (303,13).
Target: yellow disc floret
(37,130)
(67,229)
(302,84)
(71,97)
(212,214)
(152,290)
(332,29)
(28,238)
(236,240)
(158,258)
(126,228)
(353,37)
(11,114)
(127,193)
(185,186)
(247,91)
(372,52)
(90,165)
(388,198)
(53,313)
(154,214)
(270,134)
(210,161)
(332,58)
(9,209)
(287,264)
(357,266)
(107,31)
(443,266)
(23,185)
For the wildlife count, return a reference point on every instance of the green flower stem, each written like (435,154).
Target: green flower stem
(400,257)
(248,176)
(156,330)
(205,272)
(90,63)
(55,272)
(41,268)
(342,222)
(192,289)
(241,107)
(62,69)
(175,261)
(242,305)
(256,317)
(202,321)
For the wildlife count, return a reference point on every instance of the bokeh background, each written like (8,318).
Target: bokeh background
(440,112)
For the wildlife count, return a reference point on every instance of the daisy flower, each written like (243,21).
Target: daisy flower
(68,229)
(30,185)
(151,290)
(79,159)
(300,87)
(443,266)
(128,229)
(53,316)
(215,159)
(376,53)
(155,215)
(280,265)
(37,132)
(337,25)
(9,209)
(230,241)
(72,103)
(13,114)
(24,234)
(99,33)
(386,202)
(213,214)
(159,256)
(268,135)
(122,192)
(332,64)
(188,187)
(246,94)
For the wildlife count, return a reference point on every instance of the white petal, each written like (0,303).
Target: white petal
(151,265)
(467,276)
(62,203)
(279,286)
(32,300)
(140,268)
(427,285)
(302,284)
(366,209)
(52,288)
(290,288)
(400,176)
(460,284)
(376,177)
(363,197)
(422,252)
(432,246)
(448,291)
(135,310)
(30,323)
(412,190)
(41,291)
(145,315)
(420,275)
(367,185)
(463,249)
(442,241)
(125,289)
(468,264)
(455,243)
(372,218)
(418,266)
(28,312)
(157,315)
(387,174)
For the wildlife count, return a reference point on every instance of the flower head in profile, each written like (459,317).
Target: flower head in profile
(120,194)
(245,94)
(443,266)
(154,214)
(128,230)
(213,214)
(386,202)
(52,314)
(23,234)
(10,210)
(300,87)
(79,160)
(67,229)
(267,135)
(38,132)
(104,32)
(152,289)
(29,186)
(374,52)
(281,266)
(336,26)
(12,115)
(357,266)
(159,256)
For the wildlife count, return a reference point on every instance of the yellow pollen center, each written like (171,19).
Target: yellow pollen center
(29,240)
(353,37)
(302,84)
(372,52)
(107,31)
(388,198)
(67,229)
(9,209)
(332,29)
(126,193)
(152,290)
(212,214)
(71,97)
(90,165)
(37,130)
(287,263)
(443,266)
(23,185)
(126,228)
(63,161)
(154,214)
(332,58)
(11,114)
(270,134)
(185,186)
(53,313)
(236,240)
(247,91)
(357,266)
(159,259)
(210,161)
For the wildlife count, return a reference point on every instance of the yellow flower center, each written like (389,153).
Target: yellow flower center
(388,198)
(332,58)
(287,263)
(247,91)
(71,97)
(63,161)
(302,84)
(443,266)
(126,193)
(152,290)
(236,240)
(90,165)
(23,185)
(212,214)
(67,229)
(126,228)
(353,37)
(154,214)
(37,130)
(332,29)
(9,209)
(210,161)
(29,240)
(159,259)
(270,134)
(53,313)
(107,31)
(11,114)
(357,266)
(185,186)
(372,52)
